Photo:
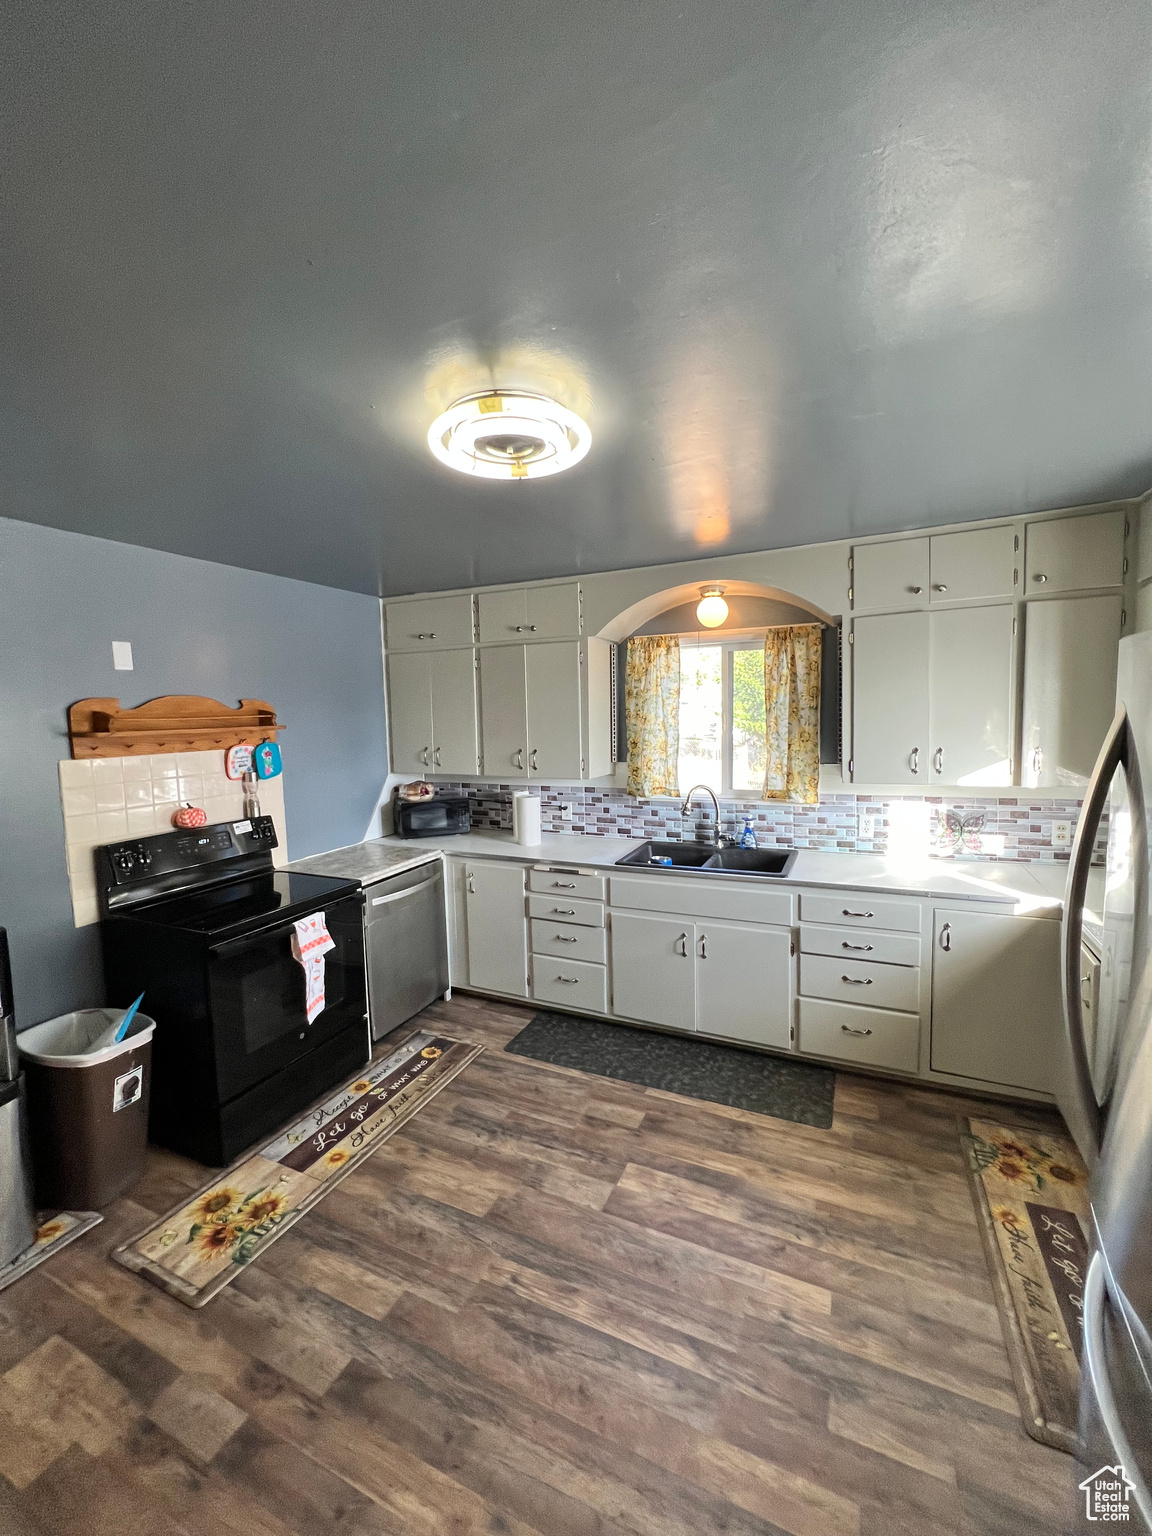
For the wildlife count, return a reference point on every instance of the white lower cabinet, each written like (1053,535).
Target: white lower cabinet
(497,927)
(996,1010)
(872,1036)
(653,969)
(744,983)
(570,983)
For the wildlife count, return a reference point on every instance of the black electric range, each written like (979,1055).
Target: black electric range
(202,923)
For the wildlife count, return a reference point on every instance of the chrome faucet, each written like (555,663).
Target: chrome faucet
(687,806)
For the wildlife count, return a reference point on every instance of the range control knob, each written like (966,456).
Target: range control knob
(124,859)
(143,857)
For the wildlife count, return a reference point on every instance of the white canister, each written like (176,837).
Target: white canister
(526,818)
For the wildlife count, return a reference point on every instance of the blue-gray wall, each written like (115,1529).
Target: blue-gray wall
(195,627)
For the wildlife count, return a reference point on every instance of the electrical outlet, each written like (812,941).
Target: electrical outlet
(1061,833)
(565,810)
(867,828)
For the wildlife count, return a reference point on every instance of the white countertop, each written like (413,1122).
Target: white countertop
(1035,889)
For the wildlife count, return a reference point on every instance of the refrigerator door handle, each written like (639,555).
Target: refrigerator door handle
(1095,1296)
(1078,1099)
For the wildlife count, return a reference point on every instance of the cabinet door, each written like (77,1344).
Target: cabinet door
(970,696)
(996,1007)
(744,983)
(410,713)
(890,699)
(429,623)
(503,711)
(1068,554)
(554,612)
(455,742)
(979,563)
(653,961)
(893,575)
(553,673)
(1070,650)
(497,927)
(503,616)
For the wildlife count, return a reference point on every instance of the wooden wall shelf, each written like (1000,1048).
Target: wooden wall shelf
(178,722)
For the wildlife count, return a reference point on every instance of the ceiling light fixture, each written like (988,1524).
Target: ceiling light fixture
(711,610)
(507,435)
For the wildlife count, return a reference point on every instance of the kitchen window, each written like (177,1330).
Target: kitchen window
(722,715)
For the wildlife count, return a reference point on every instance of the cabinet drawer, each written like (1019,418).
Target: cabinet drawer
(742,901)
(851,944)
(570,983)
(568,941)
(566,882)
(567,908)
(869,1035)
(861,982)
(857,910)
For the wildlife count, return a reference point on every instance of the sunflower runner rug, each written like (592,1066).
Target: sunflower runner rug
(203,1243)
(1031,1194)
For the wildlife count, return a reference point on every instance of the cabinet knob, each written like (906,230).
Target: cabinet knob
(917,590)
(939,586)
(1037,577)
(426,636)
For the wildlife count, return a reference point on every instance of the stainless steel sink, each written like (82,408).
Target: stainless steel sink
(669,855)
(774,863)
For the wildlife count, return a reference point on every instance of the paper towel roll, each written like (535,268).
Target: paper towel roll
(526,818)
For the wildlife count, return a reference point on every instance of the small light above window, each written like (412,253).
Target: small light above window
(711,610)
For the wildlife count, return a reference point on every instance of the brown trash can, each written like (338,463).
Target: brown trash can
(87,1110)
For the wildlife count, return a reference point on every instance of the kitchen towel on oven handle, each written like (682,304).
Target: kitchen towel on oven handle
(311,941)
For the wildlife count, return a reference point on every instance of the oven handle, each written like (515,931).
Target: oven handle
(379,901)
(227,946)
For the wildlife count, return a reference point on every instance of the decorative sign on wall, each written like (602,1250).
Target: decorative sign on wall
(178,722)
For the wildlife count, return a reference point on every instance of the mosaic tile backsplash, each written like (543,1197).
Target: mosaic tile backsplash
(1003,827)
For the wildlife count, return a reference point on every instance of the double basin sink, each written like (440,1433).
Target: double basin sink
(771,863)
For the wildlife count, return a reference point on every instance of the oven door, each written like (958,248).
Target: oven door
(256,986)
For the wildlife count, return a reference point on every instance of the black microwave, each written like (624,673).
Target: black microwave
(439,817)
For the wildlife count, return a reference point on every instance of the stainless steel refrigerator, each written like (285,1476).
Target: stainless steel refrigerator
(1106,1097)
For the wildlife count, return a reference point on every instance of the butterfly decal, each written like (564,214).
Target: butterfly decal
(955,831)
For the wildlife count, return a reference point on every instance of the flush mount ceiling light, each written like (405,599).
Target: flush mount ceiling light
(506,435)
(711,610)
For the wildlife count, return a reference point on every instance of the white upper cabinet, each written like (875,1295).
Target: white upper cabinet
(432,712)
(890,699)
(530,708)
(980,563)
(1070,651)
(970,696)
(1073,554)
(428,623)
(893,575)
(530,613)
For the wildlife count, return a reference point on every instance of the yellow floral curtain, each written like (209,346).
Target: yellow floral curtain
(652,708)
(792,713)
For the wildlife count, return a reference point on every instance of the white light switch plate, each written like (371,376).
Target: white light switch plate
(122,655)
(1061,833)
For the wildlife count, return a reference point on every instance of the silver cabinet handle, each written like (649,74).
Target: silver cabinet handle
(914,759)
(436,756)
(844,1030)
(471,886)
(564,938)
(938,759)
(857,981)
(917,590)
(946,937)
(571,981)
(848,912)
(1037,577)
(424,756)
(703,946)
(563,885)
(532,629)
(563,911)
(532,759)
(1037,759)
(431,635)
(683,942)
(519,628)
(844,944)
(939,586)
(519,757)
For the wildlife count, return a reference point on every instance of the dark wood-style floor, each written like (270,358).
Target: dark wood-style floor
(552,1304)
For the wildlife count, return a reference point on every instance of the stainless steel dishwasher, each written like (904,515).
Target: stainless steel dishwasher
(407,944)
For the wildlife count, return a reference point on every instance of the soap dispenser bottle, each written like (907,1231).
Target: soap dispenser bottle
(747,837)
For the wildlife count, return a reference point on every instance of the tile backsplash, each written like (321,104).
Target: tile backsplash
(1009,826)
(107,799)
